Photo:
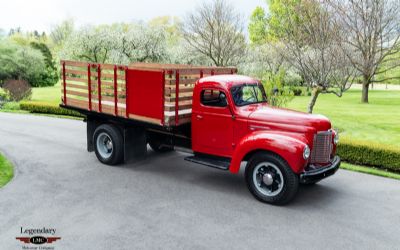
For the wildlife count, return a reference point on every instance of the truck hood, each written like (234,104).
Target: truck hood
(273,115)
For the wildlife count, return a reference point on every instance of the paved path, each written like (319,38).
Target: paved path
(167,203)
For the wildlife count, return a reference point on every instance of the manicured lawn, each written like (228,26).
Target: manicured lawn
(378,121)
(6,171)
(51,95)
(369,170)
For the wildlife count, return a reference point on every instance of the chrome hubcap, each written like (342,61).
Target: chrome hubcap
(104,145)
(268,179)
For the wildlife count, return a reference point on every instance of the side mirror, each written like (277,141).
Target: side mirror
(222,96)
(224,101)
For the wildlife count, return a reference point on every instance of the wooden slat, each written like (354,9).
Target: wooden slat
(111,91)
(76,72)
(111,76)
(76,86)
(181,107)
(75,79)
(109,99)
(77,93)
(145,119)
(171,90)
(74,63)
(77,103)
(181,81)
(181,98)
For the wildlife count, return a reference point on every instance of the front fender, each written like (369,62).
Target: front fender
(289,148)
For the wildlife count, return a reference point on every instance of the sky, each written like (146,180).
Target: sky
(42,15)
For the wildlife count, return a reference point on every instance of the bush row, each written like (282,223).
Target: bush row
(374,155)
(44,108)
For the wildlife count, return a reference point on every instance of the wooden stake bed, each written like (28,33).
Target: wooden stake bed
(154,93)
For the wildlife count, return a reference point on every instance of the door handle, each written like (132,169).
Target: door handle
(199,117)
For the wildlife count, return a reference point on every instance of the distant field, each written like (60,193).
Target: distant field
(378,121)
(50,95)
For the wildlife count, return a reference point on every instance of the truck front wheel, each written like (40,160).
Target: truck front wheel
(270,179)
(108,144)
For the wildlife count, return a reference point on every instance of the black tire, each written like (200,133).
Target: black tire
(284,192)
(157,146)
(114,135)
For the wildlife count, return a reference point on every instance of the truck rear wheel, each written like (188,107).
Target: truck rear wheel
(270,179)
(108,144)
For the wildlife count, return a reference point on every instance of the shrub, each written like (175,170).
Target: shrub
(11,106)
(50,75)
(297,91)
(17,90)
(20,62)
(376,155)
(44,108)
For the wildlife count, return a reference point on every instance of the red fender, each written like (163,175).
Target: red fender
(288,147)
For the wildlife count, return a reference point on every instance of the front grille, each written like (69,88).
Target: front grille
(322,147)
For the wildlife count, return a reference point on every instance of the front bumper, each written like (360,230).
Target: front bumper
(315,175)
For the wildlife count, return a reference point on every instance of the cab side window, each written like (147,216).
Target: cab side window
(213,98)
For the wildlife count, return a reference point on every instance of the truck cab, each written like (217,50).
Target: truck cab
(231,119)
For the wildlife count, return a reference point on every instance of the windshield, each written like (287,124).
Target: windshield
(248,94)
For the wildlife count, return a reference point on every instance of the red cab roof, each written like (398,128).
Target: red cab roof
(228,81)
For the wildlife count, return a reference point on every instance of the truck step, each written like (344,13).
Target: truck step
(210,161)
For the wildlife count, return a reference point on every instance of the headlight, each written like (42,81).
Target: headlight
(336,138)
(306,152)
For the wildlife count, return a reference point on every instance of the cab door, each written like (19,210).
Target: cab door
(212,124)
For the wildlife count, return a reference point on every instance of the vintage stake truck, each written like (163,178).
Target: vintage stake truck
(221,119)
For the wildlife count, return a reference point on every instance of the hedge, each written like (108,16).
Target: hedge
(45,108)
(369,154)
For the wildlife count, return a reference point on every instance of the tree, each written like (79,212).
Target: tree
(143,43)
(258,26)
(216,31)
(312,49)
(20,62)
(282,17)
(49,76)
(60,33)
(90,43)
(373,34)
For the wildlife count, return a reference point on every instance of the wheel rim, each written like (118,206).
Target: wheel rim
(268,179)
(104,145)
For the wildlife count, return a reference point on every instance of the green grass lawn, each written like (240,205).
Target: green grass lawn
(369,170)
(6,171)
(51,95)
(378,121)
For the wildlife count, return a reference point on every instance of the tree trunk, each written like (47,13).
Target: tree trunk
(313,100)
(365,87)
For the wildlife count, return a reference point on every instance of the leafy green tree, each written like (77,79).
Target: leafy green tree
(258,26)
(20,62)
(282,17)
(49,76)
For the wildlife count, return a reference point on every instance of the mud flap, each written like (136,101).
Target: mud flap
(91,126)
(135,144)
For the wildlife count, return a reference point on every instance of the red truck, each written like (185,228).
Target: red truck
(221,119)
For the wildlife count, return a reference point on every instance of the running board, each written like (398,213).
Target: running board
(210,161)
